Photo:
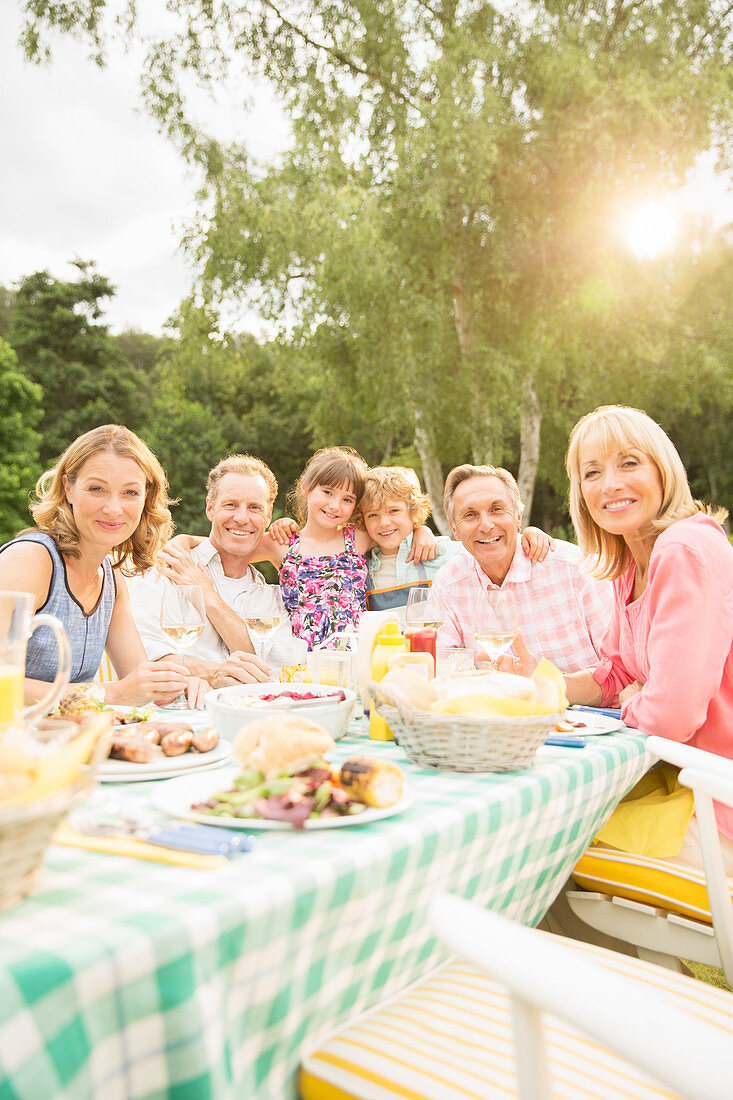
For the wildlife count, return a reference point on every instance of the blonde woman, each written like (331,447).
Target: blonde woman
(102,511)
(667,657)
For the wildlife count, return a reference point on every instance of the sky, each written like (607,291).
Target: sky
(86,175)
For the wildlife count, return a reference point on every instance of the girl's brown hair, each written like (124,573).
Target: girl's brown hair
(617,426)
(332,467)
(53,513)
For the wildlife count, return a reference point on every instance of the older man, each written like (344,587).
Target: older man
(562,613)
(239,496)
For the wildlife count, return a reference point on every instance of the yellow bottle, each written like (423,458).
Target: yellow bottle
(388,644)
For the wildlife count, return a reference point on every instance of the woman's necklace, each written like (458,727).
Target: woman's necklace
(85,586)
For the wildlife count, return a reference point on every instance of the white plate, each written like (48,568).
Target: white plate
(593,725)
(176,799)
(163,767)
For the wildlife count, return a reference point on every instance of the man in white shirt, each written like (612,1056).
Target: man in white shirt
(240,492)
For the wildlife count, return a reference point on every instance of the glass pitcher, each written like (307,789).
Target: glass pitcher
(17,623)
(334,662)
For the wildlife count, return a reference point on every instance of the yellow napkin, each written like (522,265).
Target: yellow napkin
(549,698)
(652,819)
(138,849)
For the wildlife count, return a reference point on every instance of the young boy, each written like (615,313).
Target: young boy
(391,507)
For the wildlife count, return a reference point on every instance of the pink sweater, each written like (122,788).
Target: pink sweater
(677,640)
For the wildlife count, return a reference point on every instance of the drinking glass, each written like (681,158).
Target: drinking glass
(424,609)
(495,622)
(182,619)
(452,660)
(263,611)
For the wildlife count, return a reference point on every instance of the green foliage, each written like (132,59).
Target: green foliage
(188,440)
(251,396)
(20,401)
(7,304)
(439,240)
(61,346)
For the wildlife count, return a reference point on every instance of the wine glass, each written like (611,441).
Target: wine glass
(495,623)
(182,619)
(263,610)
(424,609)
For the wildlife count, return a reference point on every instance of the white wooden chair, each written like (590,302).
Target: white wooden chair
(665,911)
(534,1016)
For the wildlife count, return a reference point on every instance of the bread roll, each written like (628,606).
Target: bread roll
(494,684)
(417,692)
(281,742)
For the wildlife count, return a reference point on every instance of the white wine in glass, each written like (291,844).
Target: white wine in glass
(263,610)
(182,619)
(495,623)
(263,625)
(423,610)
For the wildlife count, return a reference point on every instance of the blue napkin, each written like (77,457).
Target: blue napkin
(208,839)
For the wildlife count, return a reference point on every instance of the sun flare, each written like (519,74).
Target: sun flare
(650,230)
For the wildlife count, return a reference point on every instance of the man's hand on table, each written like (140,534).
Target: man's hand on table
(241,668)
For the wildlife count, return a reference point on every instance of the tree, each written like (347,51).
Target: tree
(255,395)
(447,199)
(7,304)
(20,401)
(61,346)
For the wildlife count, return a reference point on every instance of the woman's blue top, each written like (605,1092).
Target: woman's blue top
(87,633)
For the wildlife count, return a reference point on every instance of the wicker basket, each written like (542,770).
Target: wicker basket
(26,829)
(462,743)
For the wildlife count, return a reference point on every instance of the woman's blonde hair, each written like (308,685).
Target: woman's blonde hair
(54,515)
(332,467)
(395,483)
(617,426)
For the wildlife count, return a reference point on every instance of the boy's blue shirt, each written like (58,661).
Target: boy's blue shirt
(405,571)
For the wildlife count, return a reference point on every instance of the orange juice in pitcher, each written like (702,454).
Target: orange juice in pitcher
(11,693)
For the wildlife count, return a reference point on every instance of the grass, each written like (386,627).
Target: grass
(711,975)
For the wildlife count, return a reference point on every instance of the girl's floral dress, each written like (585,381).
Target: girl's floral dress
(326,593)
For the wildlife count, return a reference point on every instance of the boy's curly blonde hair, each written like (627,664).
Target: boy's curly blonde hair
(395,483)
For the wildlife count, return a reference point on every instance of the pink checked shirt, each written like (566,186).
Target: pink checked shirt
(563,613)
(677,640)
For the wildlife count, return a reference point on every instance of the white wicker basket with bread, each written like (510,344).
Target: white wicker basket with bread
(473,721)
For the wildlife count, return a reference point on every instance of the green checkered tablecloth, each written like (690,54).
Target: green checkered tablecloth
(122,979)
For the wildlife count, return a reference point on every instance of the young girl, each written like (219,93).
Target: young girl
(323,571)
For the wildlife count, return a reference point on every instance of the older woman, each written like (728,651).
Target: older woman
(101,511)
(667,657)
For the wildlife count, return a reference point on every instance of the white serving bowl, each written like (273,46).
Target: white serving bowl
(228,718)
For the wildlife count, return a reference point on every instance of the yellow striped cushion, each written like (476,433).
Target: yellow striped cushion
(640,878)
(450,1038)
(105,673)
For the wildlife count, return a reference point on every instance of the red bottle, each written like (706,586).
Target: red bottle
(424,640)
